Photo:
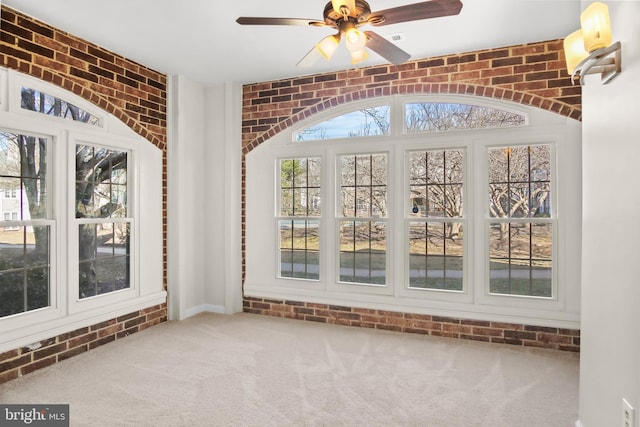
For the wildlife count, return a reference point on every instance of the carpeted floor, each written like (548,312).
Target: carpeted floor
(248,370)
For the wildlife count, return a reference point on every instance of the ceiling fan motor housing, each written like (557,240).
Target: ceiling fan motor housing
(360,15)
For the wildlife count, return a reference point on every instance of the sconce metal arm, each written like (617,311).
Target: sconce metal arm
(605,61)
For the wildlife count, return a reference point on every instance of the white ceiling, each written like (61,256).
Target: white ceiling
(201,40)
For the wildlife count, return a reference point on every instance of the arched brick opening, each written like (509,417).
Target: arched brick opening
(532,74)
(528,99)
(131,92)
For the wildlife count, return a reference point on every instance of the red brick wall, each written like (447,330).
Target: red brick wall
(131,92)
(531,74)
(22,361)
(477,330)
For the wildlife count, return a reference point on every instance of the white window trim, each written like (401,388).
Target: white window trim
(18,80)
(466,295)
(332,270)
(65,313)
(133,166)
(278,217)
(473,302)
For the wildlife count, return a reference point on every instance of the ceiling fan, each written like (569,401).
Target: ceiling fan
(347,16)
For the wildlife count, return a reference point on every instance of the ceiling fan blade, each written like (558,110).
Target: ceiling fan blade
(386,49)
(247,20)
(415,12)
(310,59)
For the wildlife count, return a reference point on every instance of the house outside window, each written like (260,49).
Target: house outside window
(25,244)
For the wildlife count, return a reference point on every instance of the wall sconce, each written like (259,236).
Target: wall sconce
(589,50)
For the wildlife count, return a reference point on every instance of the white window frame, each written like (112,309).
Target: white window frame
(75,303)
(66,312)
(474,301)
(463,296)
(279,217)
(19,80)
(553,221)
(333,158)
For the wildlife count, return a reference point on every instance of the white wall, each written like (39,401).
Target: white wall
(185,212)
(223,272)
(610,356)
(204,198)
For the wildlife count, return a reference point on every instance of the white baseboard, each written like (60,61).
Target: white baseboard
(204,308)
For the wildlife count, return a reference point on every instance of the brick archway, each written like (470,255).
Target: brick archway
(528,99)
(532,74)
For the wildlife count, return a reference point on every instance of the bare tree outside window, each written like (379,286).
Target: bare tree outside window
(436,190)
(24,245)
(49,105)
(520,228)
(373,121)
(440,117)
(104,228)
(363,208)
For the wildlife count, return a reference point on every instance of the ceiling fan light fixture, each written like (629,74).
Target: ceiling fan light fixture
(358,56)
(346,16)
(328,45)
(356,39)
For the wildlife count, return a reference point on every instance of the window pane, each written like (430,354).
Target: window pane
(12,294)
(436,255)
(24,269)
(365,122)
(363,247)
(439,117)
(101,190)
(300,187)
(299,249)
(104,258)
(520,181)
(23,170)
(521,259)
(40,102)
(363,185)
(436,184)
(37,287)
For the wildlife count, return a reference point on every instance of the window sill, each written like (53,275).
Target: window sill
(30,328)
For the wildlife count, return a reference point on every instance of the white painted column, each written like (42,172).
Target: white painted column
(610,342)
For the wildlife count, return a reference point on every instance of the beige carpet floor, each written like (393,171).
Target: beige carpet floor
(249,370)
